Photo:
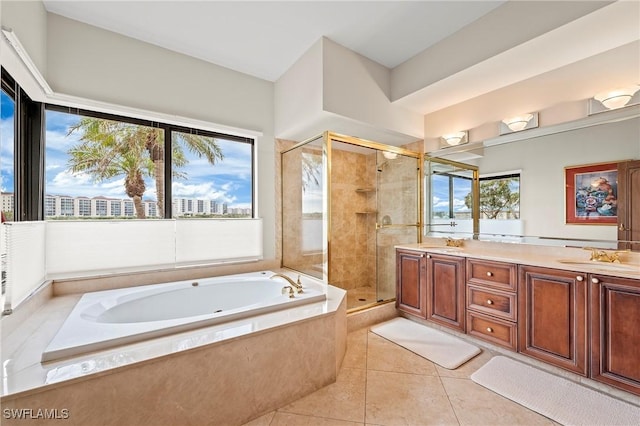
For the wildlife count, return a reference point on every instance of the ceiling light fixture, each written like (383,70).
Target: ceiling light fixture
(457,138)
(618,98)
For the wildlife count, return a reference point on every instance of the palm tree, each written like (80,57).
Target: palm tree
(108,149)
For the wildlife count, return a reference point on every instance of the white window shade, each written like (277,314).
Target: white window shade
(75,247)
(25,260)
(210,241)
(88,248)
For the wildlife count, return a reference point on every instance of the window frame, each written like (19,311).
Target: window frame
(450,178)
(500,176)
(168,129)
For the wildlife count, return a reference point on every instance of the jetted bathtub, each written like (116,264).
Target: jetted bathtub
(105,319)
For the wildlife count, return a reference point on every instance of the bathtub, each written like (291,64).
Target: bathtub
(104,319)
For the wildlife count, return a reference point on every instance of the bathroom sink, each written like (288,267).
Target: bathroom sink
(440,248)
(601,265)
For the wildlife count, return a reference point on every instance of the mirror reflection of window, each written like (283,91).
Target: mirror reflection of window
(500,197)
(500,205)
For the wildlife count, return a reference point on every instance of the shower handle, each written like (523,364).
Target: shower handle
(380,226)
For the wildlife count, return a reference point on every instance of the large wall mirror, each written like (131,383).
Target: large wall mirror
(523,187)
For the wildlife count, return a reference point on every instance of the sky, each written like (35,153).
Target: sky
(228,181)
(6,143)
(440,193)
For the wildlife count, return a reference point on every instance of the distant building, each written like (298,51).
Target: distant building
(66,206)
(96,207)
(8,203)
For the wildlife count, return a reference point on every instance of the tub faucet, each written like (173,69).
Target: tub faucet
(287,289)
(295,285)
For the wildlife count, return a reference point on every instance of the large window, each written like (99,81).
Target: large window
(105,167)
(500,196)
(212,176)
(91,160)
(7,158)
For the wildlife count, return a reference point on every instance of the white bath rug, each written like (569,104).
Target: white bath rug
(557,398)
(444,349)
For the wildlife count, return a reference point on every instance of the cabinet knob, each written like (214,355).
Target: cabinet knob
(595,280)
(490,330)
(579,278)
(489,302)
(428,256)
(489,274)
(422,255)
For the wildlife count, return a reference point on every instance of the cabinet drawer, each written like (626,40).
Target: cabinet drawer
(493,302)
(492,330)
(492,274)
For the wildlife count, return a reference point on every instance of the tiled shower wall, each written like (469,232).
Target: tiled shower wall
(352,256)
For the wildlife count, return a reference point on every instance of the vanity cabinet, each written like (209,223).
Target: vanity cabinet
(552,324)
(445,290)
(492,308)
(615,331)
(411,282)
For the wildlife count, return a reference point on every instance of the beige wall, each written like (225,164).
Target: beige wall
(511,24)
(28,19)
(99,65)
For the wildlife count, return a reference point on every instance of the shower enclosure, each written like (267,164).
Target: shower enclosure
(346,204)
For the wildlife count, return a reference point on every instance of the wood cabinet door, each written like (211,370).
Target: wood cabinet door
(629,205)
(615,332)
(445,290)
(552,322)
(411,282)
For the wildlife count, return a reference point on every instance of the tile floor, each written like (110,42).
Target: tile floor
(381,383)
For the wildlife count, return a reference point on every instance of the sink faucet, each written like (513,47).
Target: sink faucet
(598,255)
(294,285)
(452,242)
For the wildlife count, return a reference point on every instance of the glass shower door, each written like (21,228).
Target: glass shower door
(398,212)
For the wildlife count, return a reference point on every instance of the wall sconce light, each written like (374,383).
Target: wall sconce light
(457,138)
(519,123)
(618,98)
(390,155)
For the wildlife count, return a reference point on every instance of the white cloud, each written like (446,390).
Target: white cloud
(82,184)
(59,141)
(205,191)
(6,136)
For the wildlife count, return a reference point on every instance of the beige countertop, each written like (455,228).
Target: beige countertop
(565,258)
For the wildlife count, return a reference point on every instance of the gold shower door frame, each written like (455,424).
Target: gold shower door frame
(327,138)
(331,136)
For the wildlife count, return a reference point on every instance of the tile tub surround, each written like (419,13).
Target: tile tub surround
(215,375)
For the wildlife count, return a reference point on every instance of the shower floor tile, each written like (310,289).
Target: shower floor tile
(361,296)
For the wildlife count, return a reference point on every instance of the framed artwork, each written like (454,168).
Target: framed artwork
(591,194)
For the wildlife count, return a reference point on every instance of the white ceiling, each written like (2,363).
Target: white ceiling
(264,38)
(557,54)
